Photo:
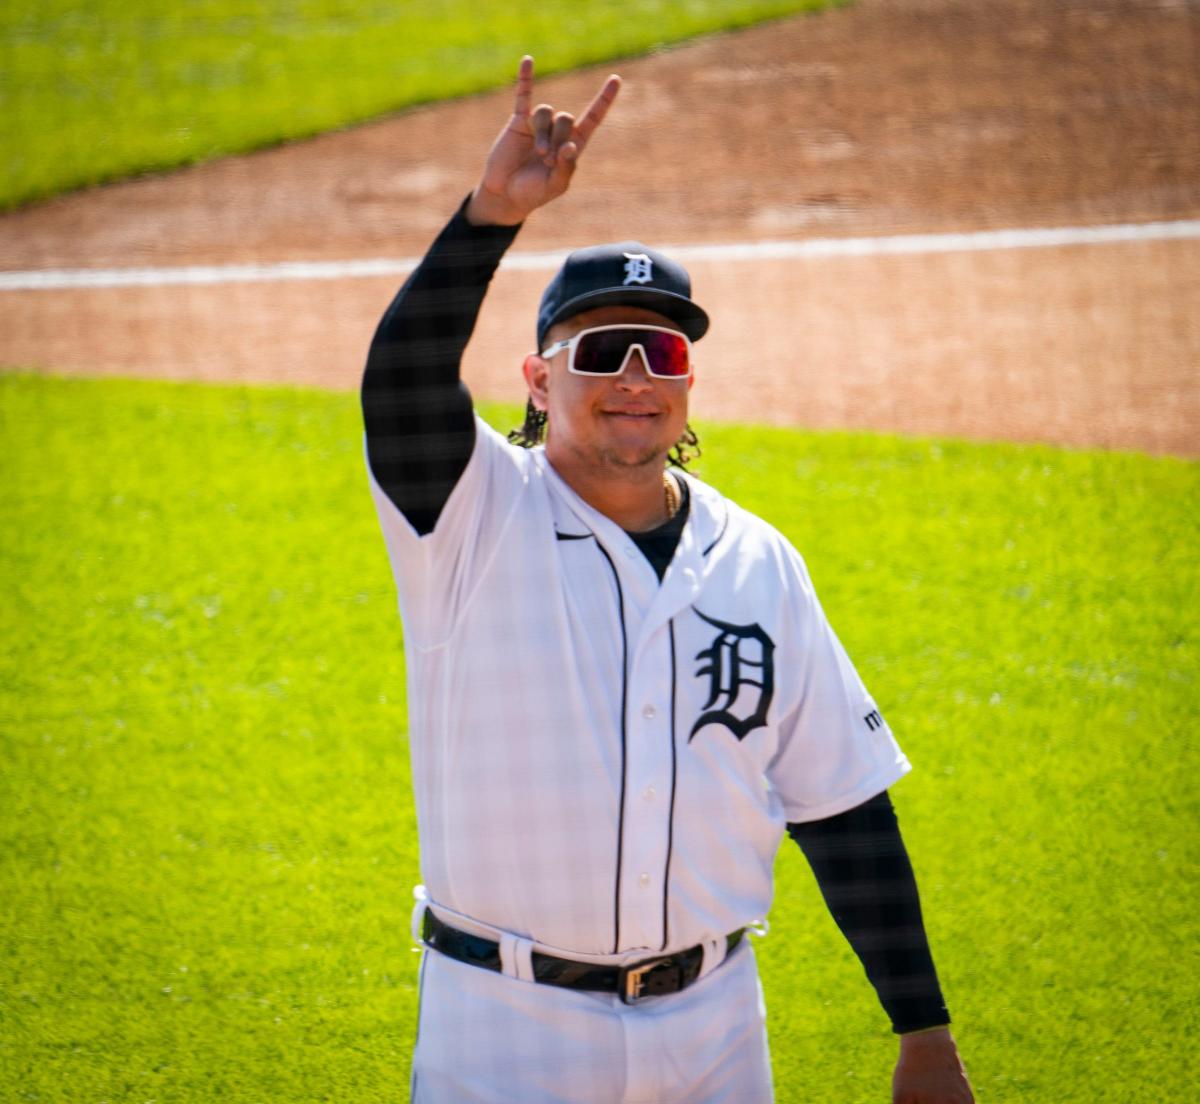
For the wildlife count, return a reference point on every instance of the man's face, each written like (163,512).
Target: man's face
(614,422)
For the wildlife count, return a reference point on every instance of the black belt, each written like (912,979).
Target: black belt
(654,977)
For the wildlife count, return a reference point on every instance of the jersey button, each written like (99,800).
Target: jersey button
(643,880)
(648,711)
(649,793)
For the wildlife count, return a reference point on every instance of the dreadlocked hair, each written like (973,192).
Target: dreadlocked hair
(685,450)
(533,432)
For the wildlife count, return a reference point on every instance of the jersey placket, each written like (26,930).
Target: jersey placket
(650,745)
(642,833)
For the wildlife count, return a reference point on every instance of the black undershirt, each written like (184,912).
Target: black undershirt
(420,432)
(658,545)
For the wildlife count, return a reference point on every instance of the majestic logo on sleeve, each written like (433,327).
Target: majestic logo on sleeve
(740,668)
(637,268)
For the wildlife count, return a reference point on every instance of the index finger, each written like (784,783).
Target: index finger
(524,88)
(596,110)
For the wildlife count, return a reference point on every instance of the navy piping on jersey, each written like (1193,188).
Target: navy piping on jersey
(659,560)
(716,540)
(671,811)
(624,705)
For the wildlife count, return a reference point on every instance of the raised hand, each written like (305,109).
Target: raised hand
(532,160)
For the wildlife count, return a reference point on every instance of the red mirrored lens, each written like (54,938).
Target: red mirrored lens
(603,353)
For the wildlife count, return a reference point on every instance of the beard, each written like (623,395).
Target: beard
(619,454)
(631,460)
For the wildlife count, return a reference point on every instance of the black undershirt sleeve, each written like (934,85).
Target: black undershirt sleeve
(867,880)
(417,412)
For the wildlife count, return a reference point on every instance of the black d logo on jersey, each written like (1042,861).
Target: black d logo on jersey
(740,667)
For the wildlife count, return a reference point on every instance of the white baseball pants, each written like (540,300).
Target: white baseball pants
(489,1038)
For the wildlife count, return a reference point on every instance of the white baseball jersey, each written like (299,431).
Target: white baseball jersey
(602,762)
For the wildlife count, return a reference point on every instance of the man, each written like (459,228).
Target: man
(622,691)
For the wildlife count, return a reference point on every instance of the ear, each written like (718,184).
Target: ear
(537,378)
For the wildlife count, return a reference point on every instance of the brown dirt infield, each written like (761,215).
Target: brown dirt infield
(882,118)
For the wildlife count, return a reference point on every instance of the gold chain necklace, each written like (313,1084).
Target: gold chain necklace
(671,495)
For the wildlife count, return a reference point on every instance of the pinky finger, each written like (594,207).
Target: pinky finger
(524,87)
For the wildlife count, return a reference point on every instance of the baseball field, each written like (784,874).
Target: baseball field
(984,447)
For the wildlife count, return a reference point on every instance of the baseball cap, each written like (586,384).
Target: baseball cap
(626,274)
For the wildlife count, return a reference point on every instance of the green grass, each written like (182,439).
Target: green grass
(97,91)
(206,833)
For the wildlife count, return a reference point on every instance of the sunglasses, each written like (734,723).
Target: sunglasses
(605,350)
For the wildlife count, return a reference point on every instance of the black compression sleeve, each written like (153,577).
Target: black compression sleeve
(866,878)
(419,421)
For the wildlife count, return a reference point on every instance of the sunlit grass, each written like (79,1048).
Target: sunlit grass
(207,839)
(92,92)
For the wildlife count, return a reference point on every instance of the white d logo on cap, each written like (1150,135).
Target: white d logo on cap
(637,268)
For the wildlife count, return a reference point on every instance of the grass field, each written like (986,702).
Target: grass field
(206,834)
(92,92)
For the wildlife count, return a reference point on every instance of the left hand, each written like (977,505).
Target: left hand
(930,1071)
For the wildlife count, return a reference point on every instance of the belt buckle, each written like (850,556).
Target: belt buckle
(631,979)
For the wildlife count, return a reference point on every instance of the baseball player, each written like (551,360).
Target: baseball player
(622,693)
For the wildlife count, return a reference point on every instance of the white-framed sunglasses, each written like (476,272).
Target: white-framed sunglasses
(605,351)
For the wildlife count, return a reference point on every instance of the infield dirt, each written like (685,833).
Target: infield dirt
(885,117)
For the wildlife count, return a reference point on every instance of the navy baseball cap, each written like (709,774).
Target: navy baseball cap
(625,274)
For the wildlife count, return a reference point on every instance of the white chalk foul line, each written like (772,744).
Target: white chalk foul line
(60,278)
